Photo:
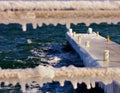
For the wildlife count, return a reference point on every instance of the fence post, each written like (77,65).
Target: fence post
(106,57)
(87,44)
(90,31)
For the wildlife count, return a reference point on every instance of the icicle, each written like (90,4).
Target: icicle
(23,86)
(74,85)
(93,84)
(40,24)
(80,82)
(14,82)
(106,82)
(34,26)
(88,85)
(24,28)
(62,82)
(41,84)
(7,82)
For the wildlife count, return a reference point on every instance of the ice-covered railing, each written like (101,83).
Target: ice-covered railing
(59,5)
(50,72)
(44,74)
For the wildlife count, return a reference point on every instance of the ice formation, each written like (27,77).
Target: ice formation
(53,4)
(24,28)
(35,26)
(52,73)
(76,75)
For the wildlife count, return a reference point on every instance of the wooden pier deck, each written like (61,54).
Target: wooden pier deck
(93,53)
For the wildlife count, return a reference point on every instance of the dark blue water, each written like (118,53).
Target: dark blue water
(48,44)
(45,45)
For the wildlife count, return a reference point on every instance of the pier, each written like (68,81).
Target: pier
(29,60)
(97,52)
(100,57)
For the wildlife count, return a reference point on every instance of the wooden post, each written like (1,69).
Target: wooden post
(97,33)
(87,44)
(70,31)
(106,57)
(40,24)
(108,39)
(79,39)
(74,34)
(89,30)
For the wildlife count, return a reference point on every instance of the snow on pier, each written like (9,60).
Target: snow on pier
(95,50)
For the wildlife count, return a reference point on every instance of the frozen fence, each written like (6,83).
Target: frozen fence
(59,5)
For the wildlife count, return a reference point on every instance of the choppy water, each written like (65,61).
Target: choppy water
(20,49)
(45,45)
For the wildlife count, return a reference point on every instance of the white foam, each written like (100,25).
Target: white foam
(29,41)
(54,58)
